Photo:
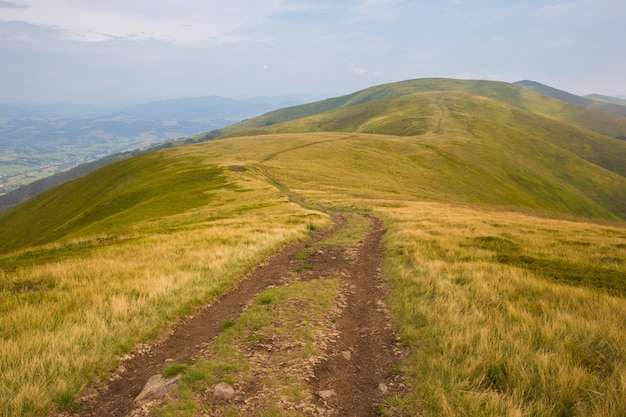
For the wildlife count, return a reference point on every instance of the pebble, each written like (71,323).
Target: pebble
(326,394)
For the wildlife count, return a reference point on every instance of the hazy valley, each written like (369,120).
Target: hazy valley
(39,141)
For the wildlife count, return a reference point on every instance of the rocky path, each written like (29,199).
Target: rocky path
(357,374)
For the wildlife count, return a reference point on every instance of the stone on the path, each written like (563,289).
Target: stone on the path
(347,354)
(157,387)
(382,387)
(326,394)
(223,391)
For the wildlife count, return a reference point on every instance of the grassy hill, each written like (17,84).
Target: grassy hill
(504,252)
(480,151)
(594,101)
(515,95)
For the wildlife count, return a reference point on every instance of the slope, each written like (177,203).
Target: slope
(593,101)
(113,199)
(474,149)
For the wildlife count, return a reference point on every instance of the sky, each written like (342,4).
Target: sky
(133,51)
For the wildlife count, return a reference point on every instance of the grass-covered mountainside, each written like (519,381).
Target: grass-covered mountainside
(595,101)
(505,251)
(515,95)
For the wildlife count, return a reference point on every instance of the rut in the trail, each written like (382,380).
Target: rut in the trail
(363,378)
(360,384)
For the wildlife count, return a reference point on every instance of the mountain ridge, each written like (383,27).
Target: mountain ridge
(413,108)
(593,119)
(593,101)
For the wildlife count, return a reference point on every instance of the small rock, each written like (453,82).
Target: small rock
(157,387)
(326,394)
(382,387)
(169,361)
(347,354)
(223,391)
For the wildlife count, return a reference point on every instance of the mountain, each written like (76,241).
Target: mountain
(607,99)
(599,121)
(597,102)
(53,110)
(200,108)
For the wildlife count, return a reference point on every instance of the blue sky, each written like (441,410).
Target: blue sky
(134,51)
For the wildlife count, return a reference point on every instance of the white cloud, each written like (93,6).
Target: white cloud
(360,71)
(187,22)
(11,5)
(561,9)
(377,9)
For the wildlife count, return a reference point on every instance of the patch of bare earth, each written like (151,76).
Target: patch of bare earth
(352,378)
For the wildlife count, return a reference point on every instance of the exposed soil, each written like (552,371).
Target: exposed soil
(358,368)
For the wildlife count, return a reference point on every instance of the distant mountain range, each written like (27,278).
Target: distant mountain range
(212,107)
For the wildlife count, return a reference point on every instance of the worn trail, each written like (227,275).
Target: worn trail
(358,370)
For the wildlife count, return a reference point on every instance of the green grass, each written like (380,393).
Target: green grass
(499,169)
(114,199)
(352,233)
(588,119)
(173,370)
(609,274)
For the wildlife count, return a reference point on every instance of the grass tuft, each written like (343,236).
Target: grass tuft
(173,370)
(66,400)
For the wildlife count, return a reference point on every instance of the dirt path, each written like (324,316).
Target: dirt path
(358,370)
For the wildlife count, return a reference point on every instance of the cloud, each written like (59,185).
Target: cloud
(360,71)
(188,22)
(561,9)
(14,33)
(11,5)
(377,9)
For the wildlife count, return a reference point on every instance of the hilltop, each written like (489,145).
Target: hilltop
(542,104)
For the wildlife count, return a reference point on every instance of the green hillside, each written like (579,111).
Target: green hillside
(592,101)
(515,95)
(478,150)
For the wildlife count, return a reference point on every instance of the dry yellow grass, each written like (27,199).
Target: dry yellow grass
(493,339)
(63,321)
